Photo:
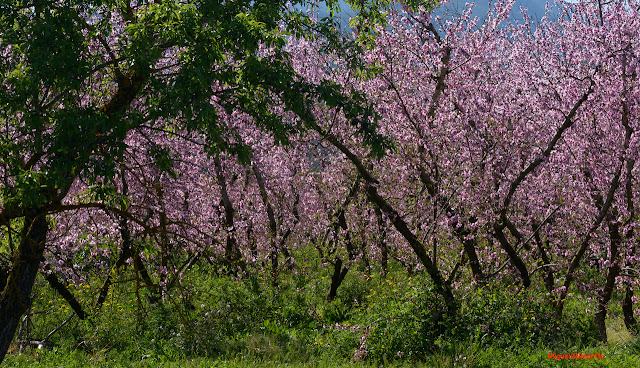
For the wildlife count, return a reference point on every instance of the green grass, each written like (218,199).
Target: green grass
(614,356)
(394,321)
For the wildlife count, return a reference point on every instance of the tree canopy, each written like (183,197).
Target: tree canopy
(163,134)
(80,76)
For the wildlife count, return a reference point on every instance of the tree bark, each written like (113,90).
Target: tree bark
(627,310)
(382,242)
(339,274)
(340,222)
(549,278)
(273,225)
(232,254)
(516,261)
(461,231)
(612,273)
(55,283)
(397,221)
(603,211)
(125,253)
(401,226)
(16,296)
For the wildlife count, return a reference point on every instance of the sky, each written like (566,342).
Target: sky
(536,8)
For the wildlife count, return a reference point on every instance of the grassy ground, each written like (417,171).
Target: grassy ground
(613,356)
(220,321)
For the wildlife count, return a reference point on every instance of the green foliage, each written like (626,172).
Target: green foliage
(218,320)
(78,76)
(504,316)
(406,319)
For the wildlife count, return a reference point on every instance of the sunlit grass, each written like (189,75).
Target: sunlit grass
(617,333)
(375,321)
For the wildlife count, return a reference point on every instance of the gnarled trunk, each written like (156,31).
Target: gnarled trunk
(16,296)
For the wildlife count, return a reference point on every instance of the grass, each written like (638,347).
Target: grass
(376,321)
(614,356)
(617,333)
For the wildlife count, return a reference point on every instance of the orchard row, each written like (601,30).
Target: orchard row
(469,151)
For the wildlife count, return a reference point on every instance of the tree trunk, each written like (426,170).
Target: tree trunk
(515,260)
(55,283)
(469,244)
(396,220)
(549,278)
(382,242)
(16,296)
(273,225)
(125,253)
(401,226)
(460,230)
(627,310)
(232,255)
(613,272)
(339,273)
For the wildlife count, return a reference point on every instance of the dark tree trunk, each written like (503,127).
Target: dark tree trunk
(460,230)
(470,250)
(469,244)
(4,274)
(16,296)
(396,220)
(515,260)
(439,282)
(549,278)
(125,253)
(273,256)
(339,273)
(603,204)
(613,272)
(289,260)
(627,310)
(141,270)
(55,283)
(384,249)
(273,225)
(232,254)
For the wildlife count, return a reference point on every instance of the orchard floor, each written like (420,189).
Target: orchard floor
(375,321)
(623,350)
(614,356)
